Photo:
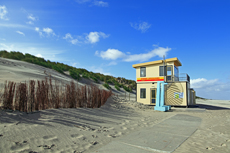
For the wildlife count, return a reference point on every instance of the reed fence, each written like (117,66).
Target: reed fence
(43,94)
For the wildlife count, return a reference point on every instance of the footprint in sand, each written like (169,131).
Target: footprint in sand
(124,128)
(116,134)
(51,138)
(20,146)
(76,136)
(122,124)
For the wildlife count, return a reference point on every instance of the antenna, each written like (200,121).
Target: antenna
(164,67)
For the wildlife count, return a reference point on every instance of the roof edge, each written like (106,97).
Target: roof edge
(175,60)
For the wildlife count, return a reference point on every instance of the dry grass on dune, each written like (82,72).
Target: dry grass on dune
(40,95)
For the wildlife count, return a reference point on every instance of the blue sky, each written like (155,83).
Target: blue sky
(108,36)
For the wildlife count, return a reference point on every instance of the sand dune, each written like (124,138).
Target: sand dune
(86,130)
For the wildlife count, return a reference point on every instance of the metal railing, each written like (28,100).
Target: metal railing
(184,77)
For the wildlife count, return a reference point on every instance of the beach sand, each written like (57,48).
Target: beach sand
(85,129)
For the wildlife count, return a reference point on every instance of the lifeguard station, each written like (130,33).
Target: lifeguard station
(163,75)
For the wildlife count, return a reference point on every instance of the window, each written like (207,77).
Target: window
(169,78)
(161,70)
(169,72)
(143,93)
(143,72)
(176,74)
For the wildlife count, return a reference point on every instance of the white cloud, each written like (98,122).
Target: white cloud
(34,49)
(97,53)
(93,2)
(68,36)
(143,27)
(21,33)
(94,37)
(203,83)
(101,3)
(30,22)
(45,31)
(38,30)
(7,25)
(39,55)
(82,1)
(48,31)
(112,54)
(74,41)
(113,63)
(3,12)
(7,47)
(99,70)
(160,51)
(211,89)
(31,17)
(76,64)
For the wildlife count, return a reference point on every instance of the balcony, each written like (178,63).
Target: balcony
(184,77)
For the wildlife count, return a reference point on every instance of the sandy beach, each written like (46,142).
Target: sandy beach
(86,129)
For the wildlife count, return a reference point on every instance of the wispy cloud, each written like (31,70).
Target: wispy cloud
(21,33)
(160,51)
(113,63)
(39,55)
(82,1)
(3,12)
(8,25)
(93,2)
(203,83)
(69,38)
(213,89)
(38,30)
(45,31)
(48,31)
(94,37)
(101,3)
(110,54)
(113,54)
(30,17)
(99,70)
(143,26)
(34,49)
(30,22)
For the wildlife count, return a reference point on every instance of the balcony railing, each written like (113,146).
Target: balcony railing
(184,77)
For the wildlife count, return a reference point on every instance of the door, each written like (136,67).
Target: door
(153,96)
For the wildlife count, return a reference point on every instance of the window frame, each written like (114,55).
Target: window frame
(162,71)
(141,69)
(144,96)
(171,67)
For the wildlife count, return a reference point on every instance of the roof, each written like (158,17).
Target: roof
(175,60)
